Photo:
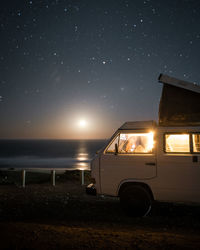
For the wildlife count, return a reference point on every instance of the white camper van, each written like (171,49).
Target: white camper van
(145,161)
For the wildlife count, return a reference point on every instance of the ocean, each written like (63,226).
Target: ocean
(72,154)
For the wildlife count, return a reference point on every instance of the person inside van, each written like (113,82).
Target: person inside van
(134,144)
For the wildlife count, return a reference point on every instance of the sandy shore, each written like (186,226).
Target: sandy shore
(64,217)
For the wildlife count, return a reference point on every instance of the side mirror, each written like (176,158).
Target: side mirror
(116,149)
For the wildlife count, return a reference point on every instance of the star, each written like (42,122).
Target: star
(98,52)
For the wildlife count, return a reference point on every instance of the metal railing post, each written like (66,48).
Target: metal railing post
(23,178)
(53,177)
(82,177)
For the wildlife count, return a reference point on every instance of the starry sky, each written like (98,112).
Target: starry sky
(97,61)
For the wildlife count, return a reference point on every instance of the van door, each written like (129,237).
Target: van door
(134,160)
(178,167)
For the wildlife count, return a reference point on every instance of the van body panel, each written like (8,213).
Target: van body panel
(178,176)
(117,167)
(171,176)
(95,172)
(114,168)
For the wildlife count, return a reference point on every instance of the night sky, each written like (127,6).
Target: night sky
(79,69)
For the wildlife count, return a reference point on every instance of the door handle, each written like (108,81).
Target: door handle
(150,163)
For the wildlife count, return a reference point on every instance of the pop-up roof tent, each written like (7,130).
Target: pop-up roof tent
(179,103)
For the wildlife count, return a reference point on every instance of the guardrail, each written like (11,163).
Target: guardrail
(53,173)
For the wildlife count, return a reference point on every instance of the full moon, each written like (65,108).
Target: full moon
(82,123)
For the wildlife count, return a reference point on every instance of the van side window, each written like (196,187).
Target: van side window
(177,143)
(111,148)
(196,142)
(136,143)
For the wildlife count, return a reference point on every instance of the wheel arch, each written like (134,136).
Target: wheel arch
(128,183)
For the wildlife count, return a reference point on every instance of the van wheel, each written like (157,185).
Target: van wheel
(136,200)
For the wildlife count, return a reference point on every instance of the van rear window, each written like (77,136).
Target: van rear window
(177,143)
(196,142)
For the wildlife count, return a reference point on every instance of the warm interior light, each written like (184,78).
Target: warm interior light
(136,143)
(196,142)
(150,141)
(177,143)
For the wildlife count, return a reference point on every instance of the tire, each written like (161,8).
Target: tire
(136,200)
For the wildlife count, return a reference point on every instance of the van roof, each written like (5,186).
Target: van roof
(138,125)
(179,103)
(179,83)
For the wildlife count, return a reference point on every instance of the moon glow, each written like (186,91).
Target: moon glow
(82,123)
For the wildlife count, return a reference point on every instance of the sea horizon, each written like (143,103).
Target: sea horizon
(48,153)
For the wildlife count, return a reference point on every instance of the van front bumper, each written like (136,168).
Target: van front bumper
(91,190)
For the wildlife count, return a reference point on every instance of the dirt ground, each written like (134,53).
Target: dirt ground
(41,216)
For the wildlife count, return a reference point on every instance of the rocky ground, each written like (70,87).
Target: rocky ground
(41,216)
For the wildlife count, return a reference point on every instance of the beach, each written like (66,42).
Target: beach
(42,216)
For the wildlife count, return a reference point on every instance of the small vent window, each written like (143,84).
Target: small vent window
(111,148)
